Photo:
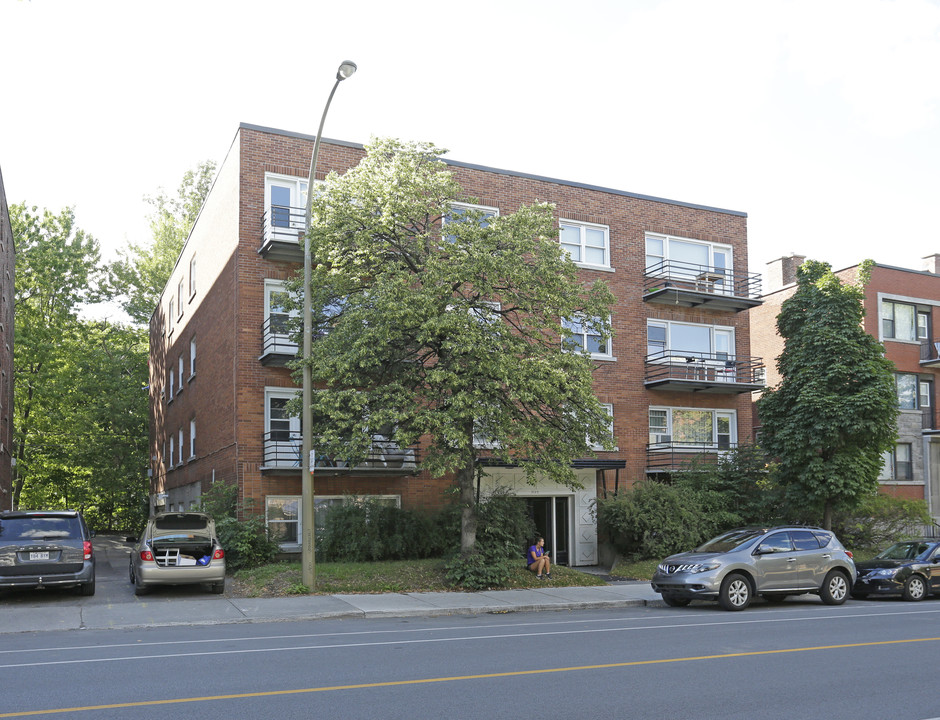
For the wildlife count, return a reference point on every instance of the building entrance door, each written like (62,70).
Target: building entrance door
(551,518)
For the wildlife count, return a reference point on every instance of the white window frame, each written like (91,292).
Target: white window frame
(294,500)
(172,449)
(273,287)
(579,325)
(297,186)
(192,439)
(719,261)
(192,358)
(731,414)
(182,367)
(919,326)
(288,451)
(171,386)
(192,277)
(488,210)
(169,317)
(181,445)
(610,426)
(582,228)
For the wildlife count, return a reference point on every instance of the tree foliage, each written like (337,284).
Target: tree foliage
(450,334)
(833,414)
(143,269)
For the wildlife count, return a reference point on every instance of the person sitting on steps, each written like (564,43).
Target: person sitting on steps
(538,561)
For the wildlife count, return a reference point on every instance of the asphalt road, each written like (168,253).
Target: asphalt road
(800,659)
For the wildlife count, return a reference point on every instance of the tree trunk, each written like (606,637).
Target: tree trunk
(827,514)
(468,509)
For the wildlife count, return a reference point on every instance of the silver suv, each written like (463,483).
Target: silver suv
(772,562)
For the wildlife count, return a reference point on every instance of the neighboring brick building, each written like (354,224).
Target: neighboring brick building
(676,377)
(899,311)
(7,296)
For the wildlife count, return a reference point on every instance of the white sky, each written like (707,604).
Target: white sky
(819,119)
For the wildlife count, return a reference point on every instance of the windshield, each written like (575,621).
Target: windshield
(903,551)
(37,527)
(730,540)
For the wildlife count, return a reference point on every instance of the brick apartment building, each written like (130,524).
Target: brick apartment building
(7,266)
(676,377)
(900,305)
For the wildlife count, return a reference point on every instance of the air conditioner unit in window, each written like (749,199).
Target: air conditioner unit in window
(659,439)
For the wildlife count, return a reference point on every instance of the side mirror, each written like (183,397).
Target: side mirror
(766,550)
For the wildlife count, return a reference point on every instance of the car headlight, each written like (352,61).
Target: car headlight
(885,572)
(670,569)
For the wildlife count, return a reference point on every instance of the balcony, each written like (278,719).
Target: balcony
(277,347)
(930,423)
(703,372)
(929,354)
(282,229)
(672,282)
(671,456)
(282,452)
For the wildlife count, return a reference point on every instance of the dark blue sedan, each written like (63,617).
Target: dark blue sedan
(910,569)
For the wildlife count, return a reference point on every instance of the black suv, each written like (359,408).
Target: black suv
(46,548)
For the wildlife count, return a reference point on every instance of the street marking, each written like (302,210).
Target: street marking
(456,678)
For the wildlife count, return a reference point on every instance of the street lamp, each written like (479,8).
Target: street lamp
(307,510)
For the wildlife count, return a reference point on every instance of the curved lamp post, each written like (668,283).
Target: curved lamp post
(307,509)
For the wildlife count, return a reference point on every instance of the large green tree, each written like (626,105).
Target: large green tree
(143,269)
(448,334)
(58,270)
(834,412)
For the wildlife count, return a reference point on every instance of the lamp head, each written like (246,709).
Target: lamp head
(346,69)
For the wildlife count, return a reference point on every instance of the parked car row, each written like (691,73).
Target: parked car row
(53,548)
(777,562)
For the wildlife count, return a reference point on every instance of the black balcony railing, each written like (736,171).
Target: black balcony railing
(282,227)
(671,455)
(282,450)
(695,367)
(690,284)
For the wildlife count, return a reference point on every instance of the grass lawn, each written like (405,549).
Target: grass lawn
(280,579)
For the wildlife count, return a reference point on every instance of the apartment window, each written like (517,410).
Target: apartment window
(170,316)
(171,385)
(179,297)
(181,445)
(907,390)
(182,364)
(898,464)
(586,336)
(903,321)
(282,430)
(683,258)
(282,514)
(586,243)
(285,203)
(192,276)
(693,427)
(172,450)
(192,358)
(192,438)
(924,393)
(458,213)
(609,409)
(277,307)
(701,342)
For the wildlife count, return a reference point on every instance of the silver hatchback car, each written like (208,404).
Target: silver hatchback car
(772,562)
(178,548)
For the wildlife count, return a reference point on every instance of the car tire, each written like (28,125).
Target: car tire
(775,597)
(914,588)
(140,588)
(217,588)
(835,588)
(735,593)
(675,601)
(87,589)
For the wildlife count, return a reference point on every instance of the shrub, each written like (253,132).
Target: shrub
(246,542)
(879,520)
(504,529)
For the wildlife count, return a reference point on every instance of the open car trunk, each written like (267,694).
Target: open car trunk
(174,551)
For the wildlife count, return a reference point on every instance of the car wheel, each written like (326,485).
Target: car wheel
(735,593)
(140,588)
(914,588)
(218,588)
(775,597)
(675,601)
(87,589)
(835,588)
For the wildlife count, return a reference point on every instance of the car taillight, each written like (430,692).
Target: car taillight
(86,546)
(849,553)
(218,554)
(146,556)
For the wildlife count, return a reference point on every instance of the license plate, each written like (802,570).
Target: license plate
(39,555)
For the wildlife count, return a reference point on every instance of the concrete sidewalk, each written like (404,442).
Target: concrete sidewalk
(155,611)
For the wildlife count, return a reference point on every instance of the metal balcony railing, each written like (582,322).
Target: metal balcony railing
(691,284)
(282,228)
(277,339)
(282,450)
(696,367)
(680,454)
